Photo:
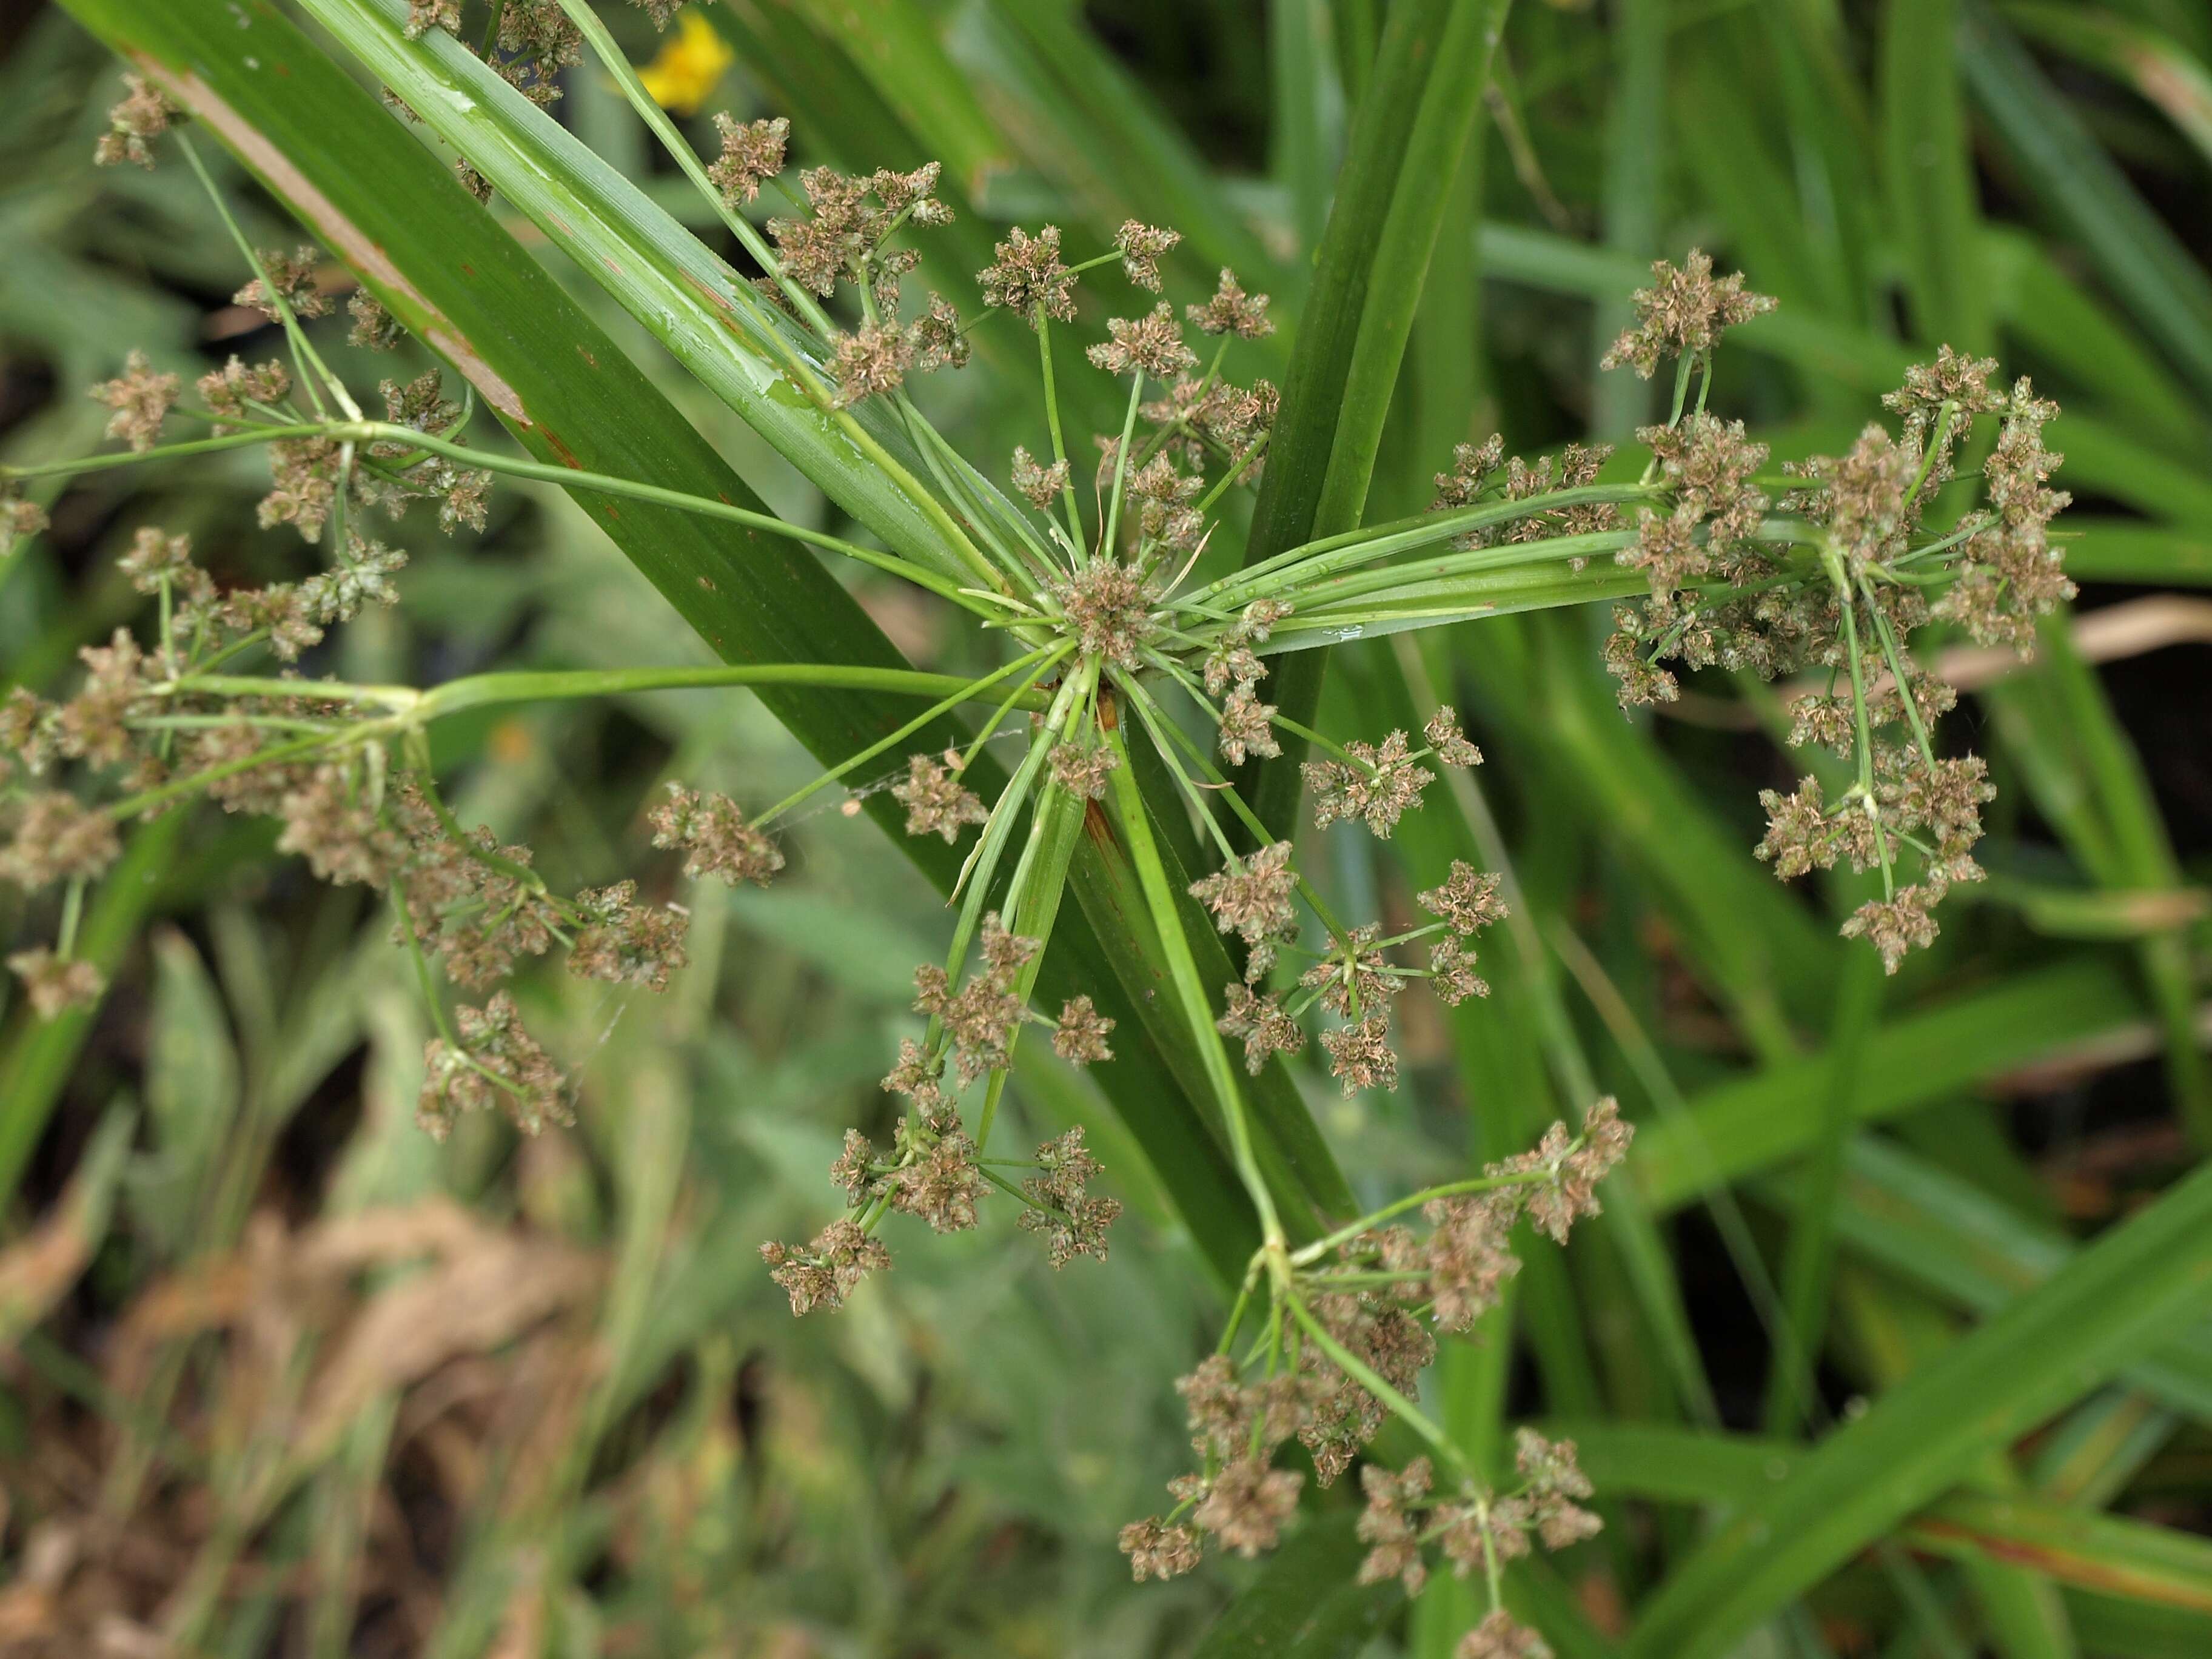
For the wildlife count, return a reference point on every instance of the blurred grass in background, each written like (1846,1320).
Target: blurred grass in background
(232,1422)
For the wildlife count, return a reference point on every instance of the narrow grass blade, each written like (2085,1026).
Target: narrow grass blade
(1808,1261)
(2103,1553)
(2072,177)
(1916,1060)
(38,1055)
(2101,1312)
(1928,170)
(1411,126)
(1635,154)
(2123,550)
(706,315)
(2041,304)
(1942,1235)
(1304,1603)
(1309,111)
(1077,114)
(2152,63)
(897,45)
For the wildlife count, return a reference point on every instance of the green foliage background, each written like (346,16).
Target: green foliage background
(1916,1170)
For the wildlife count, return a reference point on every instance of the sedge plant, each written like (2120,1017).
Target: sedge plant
(1079,578)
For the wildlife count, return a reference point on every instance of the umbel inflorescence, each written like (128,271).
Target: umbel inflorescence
(1089,575)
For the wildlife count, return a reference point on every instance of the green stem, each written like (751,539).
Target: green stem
(69,469)
(1943,419)
(176,788)
(1848,605)
(1021,694)
(1108,544)
(1243,1299)
(704,506)
(1322,742)
(1220,787)
(967,693)
(1373,542)
(679,150)
(1198,1011)
(369,432)
(1321,1246)
(431,1000)
(1155,723)
(72,914)
(1364,1374)
(1895,659)
(479,689)
(1058,443)
(1039,883)
(303,350)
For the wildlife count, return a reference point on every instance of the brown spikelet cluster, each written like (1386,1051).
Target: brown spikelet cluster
(1377,784)
(1106,608)
(1709,462)
(1255,899)
(752,154)
(1028,278)
(1038,484)
(871,362)
(287,283)
(1474,1526)
(1073,1221)
(1501,1636)
(1080,1033)
(19,518)
(1142,247)
(1083,772)
(1200,418)
(55,838)
(844,237)
(714,837)
(491,1062)
(141,400)
(981,1017)
(937,802)
(55,984)
(1264,1027)
(2013,574)
(1232,310)
(1366,1312)
(536,41)
(1483,475)
(423,16)
(143,115)
(372,326)
(625,942)
(1150,344)
(1682,313)
(826,1270)
(233,390)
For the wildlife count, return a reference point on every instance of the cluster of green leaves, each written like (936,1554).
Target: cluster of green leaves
(1925,1263)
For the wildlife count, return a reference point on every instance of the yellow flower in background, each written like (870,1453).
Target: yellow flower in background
(689,66)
